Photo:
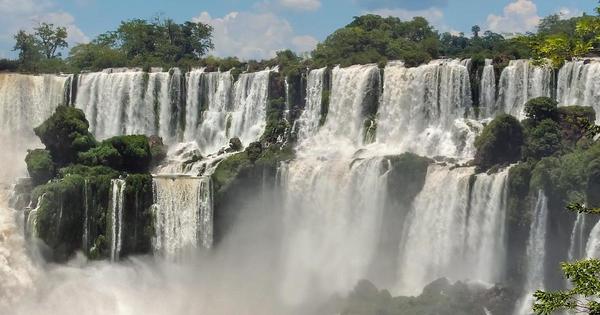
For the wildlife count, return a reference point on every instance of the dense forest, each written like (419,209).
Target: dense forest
(161,42)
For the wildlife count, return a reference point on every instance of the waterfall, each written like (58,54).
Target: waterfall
(520,82)
(343,127)
(310,118)
(578,241)
(31,219)
(464,233)
(25,102)
(117,202)
(579,84)
(85,239)
(183,210)
(131,101)
(536,255)
(208,109)
(487,94)
(332,216)
(422,109)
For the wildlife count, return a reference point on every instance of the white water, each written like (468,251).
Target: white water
(25,102)
(422,109)
(579,84)
(116,205)
(536,255)
(487,93)
(183,215)
(521,81)
(464,239)
(578,238)
(309,120)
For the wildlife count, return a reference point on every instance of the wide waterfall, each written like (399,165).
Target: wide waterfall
(213,109)
(464,232)
(183,215)
(422,109)
(117,202)
(536,255)
(520,82)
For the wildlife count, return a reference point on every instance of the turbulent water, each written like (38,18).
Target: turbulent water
(324,229)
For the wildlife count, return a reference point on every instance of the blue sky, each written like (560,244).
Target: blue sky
(258,28)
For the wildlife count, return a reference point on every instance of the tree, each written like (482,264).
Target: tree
(50,39)
(476,29)
(27,45)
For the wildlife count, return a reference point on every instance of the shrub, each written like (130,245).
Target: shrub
(40,166)
(500,142)
(541,108)
(543,139)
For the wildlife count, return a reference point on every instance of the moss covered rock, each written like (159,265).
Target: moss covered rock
(65,134)
(40,166)
(499,143)
(124,153)
(542,139)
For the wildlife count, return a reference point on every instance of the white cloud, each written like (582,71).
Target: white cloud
(518,17)
(301,5)
(26,14)
(434,15)
(254,35)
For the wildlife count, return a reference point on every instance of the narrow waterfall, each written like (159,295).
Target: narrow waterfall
(129,102)
(487,94)
(578,238)
(422,109)
(31,219)
(208,109)
(117,202)
(249,107)
(520,82)
(464,233)
(309,120)
(183,211)
(579,84)
(592,247)
(332,217)
(85,239)
(536,255)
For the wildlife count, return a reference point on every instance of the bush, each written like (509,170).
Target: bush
(543,139)
(65,134)
(40,166)
(500,142)
(541,108)
(574,121)
(124,153)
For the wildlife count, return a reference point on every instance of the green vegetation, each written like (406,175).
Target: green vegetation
(40,166)
(39,51)
(499,143)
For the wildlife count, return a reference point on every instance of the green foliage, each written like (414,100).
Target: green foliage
(65,134)
(541,108)
(543,139)
(373,39)
(500,142)
(276,125)
(585,278)
(50,39)
(575,122)
(39,52)
(40,166)
(124,153)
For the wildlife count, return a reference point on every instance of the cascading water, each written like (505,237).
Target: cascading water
(464,232)
(487,94)
(422,109)
(25,102)
(520,82)
(579,84)
(309,120)
(578,238)
(117,203)
(183,210)
(536,255)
